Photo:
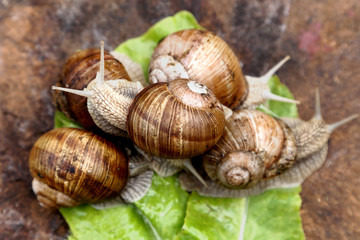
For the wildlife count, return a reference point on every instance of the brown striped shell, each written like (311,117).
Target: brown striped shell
(311,140)
(201,56)
(107,101)
(179,119)
(254,146)
(79,70)
(71,166)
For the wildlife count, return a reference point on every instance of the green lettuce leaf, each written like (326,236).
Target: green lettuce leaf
(165,205)
(60,120)
(274,214)
(279,108)
(159,215)
(212,218)
(271,215)
(141,48)
(167,212)
(123,222)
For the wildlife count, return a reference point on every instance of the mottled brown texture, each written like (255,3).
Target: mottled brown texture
(322,38)
(80,164)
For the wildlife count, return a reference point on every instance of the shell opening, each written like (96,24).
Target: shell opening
(166,69)
(227,111)
(51,198)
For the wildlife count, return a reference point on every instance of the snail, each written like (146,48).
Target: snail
(173,122)
(160,110)
(254,146)
(79,72)
(202,56)
(176,120)
(311,141)
(71,166)
(173,110)
(179,119)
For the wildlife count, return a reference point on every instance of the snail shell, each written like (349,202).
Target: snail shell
(254,146)
(79,70)
(202,56)
(107,102)
(311,140)
(71,166)
(179,119)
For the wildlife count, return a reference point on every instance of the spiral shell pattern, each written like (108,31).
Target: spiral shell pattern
(206,58)
(180,119)
(257,132)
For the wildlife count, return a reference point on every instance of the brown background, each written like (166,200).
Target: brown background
(322,37)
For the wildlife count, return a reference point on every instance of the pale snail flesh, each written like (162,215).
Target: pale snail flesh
(312,145)
(72,166)
(202,56)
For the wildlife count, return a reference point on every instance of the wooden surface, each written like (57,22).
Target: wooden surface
(322,37)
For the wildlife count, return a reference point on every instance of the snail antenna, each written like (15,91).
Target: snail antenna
(270,96)
(99,80)
(335,125)
(266,77)
(259,90)
(84,93)
(317,105)
(190,167)
(331,127)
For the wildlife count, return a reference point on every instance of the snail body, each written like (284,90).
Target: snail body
(79,70)
(192,128)
(202,56)
(165,119)
(72,166)
(81,76)
(311,141)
